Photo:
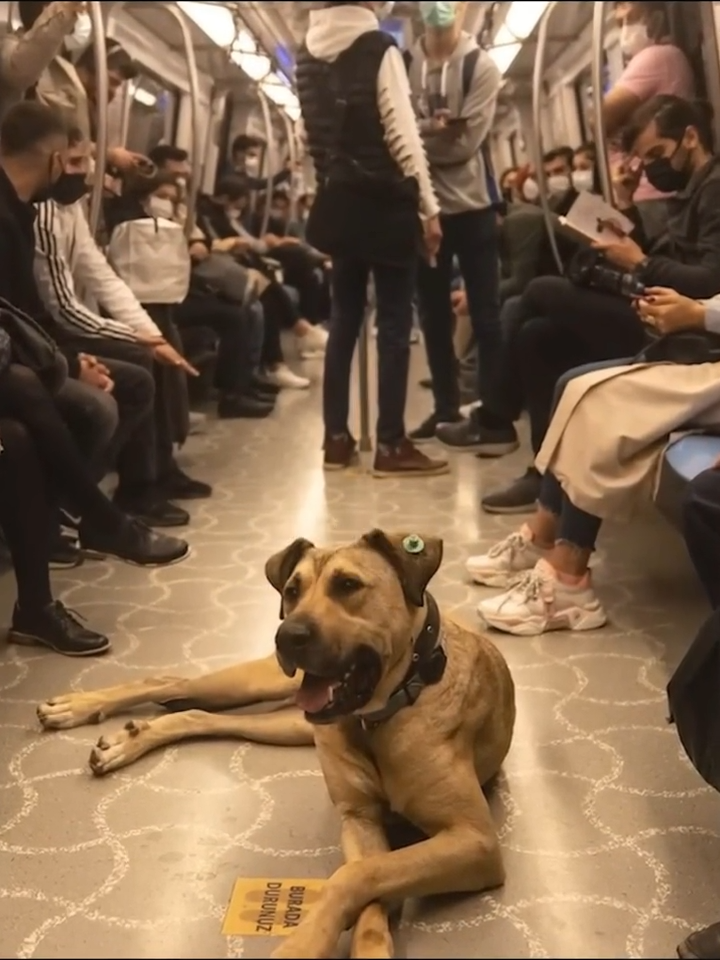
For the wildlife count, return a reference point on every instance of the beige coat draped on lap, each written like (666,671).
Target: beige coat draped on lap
(607,437)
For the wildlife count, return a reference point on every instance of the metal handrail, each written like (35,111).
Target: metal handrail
(537,134)
(601,147)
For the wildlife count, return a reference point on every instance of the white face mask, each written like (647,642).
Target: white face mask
(252,166)
(558,185)
(162,207)
(583,180)
(633,39)
(81,36)
(530,190)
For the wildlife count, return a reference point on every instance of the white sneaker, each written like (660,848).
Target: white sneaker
(467,408)
(313,343)
(540,603)
(506,562)
(283,377)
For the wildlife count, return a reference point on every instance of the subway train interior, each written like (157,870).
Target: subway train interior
(126,832)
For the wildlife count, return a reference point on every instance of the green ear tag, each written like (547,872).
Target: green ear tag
(413,544)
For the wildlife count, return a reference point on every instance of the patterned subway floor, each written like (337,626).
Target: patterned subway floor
(611,842)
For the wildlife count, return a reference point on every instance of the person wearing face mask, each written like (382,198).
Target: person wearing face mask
(67,260)
(584,172)
(374,212)
(572,325)
(654,65)
(246,157)
(455,85)
(34,148)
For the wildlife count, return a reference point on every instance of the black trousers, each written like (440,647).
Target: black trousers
(24,398)
(235,362)
(25,513)
(472,237)
(558,326)
(141,448)
(299,271)
(394,292)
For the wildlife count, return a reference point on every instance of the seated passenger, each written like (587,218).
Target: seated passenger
(654,66)
(584,169)
(213,286)
(298,261)
(600,457)
(220,218)
(25,518)
(246,162)
(60,27)
(565,324)
(239,340)
(67,259)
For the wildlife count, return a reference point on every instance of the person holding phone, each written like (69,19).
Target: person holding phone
(455,86)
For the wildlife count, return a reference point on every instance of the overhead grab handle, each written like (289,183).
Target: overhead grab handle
(539,149)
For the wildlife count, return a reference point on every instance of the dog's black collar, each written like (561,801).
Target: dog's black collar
(426,669)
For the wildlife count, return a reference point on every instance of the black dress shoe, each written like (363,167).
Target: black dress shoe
(702,945)
(153,510)
(177,485)
(246,408)
(135,543)
(58,629)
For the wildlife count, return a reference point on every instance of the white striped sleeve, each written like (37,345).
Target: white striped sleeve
(401,130)
(56,285)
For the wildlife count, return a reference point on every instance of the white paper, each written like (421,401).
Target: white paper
(585,213)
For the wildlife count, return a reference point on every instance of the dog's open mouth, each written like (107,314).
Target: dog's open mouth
(328,697)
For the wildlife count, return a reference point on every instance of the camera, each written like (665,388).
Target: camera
(593,271)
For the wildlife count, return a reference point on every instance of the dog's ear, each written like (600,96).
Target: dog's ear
(280,566)
(415,559)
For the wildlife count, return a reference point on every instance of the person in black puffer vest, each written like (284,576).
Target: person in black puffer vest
(374,192)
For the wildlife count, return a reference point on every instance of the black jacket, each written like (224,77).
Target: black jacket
(686,257)
(17,277)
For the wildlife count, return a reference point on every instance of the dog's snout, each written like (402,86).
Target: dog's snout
(294,636)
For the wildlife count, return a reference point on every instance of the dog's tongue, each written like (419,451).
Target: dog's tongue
(314,694)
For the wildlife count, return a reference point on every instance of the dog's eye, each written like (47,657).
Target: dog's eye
(291,592)
(349,584)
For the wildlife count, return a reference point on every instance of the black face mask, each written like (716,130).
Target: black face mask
(68,189)
(665,177)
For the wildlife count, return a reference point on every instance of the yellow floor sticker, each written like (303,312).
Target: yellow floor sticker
(268,907)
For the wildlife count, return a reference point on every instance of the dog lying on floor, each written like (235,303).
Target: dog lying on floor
(409,712)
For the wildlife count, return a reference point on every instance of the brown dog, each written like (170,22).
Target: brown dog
(408,712)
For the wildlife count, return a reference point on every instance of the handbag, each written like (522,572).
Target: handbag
(32,347)
(694,701)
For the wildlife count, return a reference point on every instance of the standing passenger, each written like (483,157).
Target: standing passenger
(455,86)
(373,187)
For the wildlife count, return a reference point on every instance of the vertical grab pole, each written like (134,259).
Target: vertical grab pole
(194,85)
(598,49)
(292,146)
(539,150)
(101,135)
(270,154)
(364,374)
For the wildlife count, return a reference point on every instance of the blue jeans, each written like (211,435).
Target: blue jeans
(575,526)
(472,237)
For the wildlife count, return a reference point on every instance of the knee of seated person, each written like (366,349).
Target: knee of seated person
(14,439)
(544,292)
(701,491)
(24,379)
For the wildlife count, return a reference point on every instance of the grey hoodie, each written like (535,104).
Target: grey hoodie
(456,165)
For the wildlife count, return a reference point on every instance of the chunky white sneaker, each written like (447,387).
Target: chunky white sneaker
(283,377)
(540,603)
(505,563)
(313,344)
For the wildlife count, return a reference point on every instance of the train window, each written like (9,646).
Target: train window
(153,114)
(584,97)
